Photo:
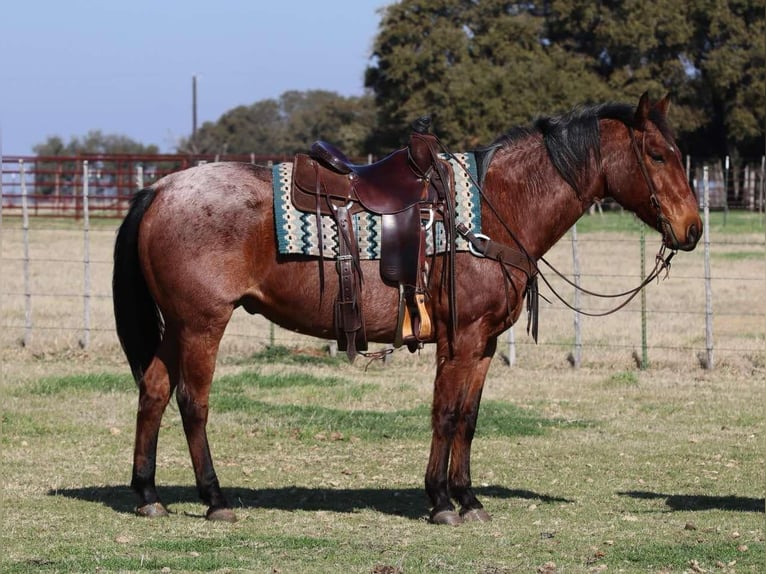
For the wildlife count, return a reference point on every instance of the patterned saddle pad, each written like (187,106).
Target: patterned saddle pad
(298,232)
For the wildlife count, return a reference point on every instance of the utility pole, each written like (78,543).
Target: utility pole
(194,107)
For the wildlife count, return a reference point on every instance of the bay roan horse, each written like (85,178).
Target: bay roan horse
(201,242)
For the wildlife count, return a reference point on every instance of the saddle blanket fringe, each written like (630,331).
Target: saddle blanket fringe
(298,232)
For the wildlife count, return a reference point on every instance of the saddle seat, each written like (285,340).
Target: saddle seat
(387,186)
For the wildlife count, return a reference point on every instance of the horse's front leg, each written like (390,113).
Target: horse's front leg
(460,459)
(457,391)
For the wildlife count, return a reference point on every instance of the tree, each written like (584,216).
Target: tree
(94,142)
(709,54)
(289,125)
(730,56)
(258,128)
(59,177)
(479,67)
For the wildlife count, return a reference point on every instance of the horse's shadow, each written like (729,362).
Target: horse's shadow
(406,502)
(697,502)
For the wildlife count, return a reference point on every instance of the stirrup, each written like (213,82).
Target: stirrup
(406,326)
(426,328)
(403,322)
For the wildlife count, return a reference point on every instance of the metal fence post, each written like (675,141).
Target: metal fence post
(725,190)
(85,341)
(25,232)
(511,347)
(577,356)
(708,284)
(644,347)
(763,174)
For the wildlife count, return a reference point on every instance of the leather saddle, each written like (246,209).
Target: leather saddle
(398,188)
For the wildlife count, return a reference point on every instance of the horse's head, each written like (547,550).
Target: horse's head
(650,179)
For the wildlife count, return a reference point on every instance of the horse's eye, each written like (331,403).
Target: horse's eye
(656,157)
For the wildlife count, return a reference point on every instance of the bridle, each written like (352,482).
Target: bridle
(662,262)
(662,222)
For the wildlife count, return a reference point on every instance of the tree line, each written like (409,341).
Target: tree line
(479,67)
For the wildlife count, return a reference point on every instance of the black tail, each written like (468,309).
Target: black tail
(139,322)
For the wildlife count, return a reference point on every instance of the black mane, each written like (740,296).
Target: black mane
(572,139)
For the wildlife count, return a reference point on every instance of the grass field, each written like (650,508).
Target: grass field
(605,468)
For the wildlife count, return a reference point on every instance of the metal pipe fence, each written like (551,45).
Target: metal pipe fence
(54,184)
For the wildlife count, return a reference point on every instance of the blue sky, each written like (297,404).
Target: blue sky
(67,67)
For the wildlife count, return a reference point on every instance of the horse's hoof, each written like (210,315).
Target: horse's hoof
(221,514)
(475,515)
(448,517)
(153,510)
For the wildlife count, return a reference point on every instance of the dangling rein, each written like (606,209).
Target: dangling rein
(661,263)
(520,258)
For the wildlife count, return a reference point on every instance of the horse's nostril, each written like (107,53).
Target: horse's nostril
(692,234)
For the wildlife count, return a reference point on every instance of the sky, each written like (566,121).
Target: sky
(126,67)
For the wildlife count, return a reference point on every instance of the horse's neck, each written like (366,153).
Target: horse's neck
(532,198)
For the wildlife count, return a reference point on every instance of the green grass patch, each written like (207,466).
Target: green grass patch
(232,394)
(307,421)
(609,221)
(17,425)
(622,379)
(617,221)
(239,382)
(736,222)
(180,555)
(292,356)
(707,556)
(738,255)
(231,542)
(92,382)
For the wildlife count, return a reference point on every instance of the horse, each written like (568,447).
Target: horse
(199,243)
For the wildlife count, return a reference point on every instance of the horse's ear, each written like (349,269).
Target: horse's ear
(642,111)
(663,106)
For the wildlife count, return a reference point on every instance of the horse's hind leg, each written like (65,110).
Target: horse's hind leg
(197,363)
(155,388)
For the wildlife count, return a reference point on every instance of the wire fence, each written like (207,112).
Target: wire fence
(710,312)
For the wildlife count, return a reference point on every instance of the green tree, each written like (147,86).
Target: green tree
(709,54)
(258,128)
(289,125)
(59,177)
(94,142)
(479,67)
(730,57)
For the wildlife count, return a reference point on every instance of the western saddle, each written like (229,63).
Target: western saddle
(399,188)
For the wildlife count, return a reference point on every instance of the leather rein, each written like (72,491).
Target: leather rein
(508,255)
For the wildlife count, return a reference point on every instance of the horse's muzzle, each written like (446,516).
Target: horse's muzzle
(692,236)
